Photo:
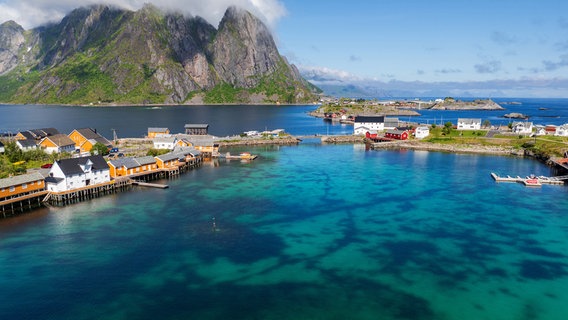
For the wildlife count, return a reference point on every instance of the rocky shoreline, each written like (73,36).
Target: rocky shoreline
(453,148)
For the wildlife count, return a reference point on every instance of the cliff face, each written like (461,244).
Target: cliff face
(11,42)
(106,55)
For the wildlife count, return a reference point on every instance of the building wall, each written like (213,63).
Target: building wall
(20,189)
(360,128)
(78,139)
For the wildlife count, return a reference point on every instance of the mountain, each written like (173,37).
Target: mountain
(102,54)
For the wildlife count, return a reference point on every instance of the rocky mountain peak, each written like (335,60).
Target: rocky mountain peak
(109,55)
(11,41)
(244,49)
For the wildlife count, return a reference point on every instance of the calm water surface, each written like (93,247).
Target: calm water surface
(303,232)
(234,119)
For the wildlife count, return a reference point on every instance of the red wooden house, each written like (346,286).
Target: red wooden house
(396,134)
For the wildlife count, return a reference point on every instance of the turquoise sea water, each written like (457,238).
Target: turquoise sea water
(303,232)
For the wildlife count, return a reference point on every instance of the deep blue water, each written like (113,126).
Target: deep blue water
(231,120)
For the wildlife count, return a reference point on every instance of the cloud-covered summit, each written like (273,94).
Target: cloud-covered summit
(33,13)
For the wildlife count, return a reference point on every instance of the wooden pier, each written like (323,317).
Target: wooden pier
(531,181)
(27,202)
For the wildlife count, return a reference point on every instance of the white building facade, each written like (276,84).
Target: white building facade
(469,124)
(372,124)
(70,174)
(421,132)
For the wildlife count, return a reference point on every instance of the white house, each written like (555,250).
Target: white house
(165,142)
(26,144)
(69,174)
(421,132)
(562,130)
(539,130)
(364,124)
(57,143)
(469,124)
(522,127)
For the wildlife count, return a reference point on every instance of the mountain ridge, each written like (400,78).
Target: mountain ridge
(106,55)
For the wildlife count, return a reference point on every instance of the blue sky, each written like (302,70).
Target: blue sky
(508,48)
(460,47)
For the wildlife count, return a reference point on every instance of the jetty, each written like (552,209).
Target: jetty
(151,185)
(531,181)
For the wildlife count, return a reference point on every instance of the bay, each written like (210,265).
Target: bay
(227,120)
(303,232)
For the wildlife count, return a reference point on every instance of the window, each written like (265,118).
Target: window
(24,185)
(12,189)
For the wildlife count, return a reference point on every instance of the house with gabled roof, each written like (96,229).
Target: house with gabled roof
(21,185)
(86,138)
(26,144)
(372,124)
(165,142)
(36,134)
(197,129)
(129,166)
(74,173)
(421,132)
(469,124)
(522,127)
(157,132)
(168,160)
(562,130)
(57,144)
(396,134)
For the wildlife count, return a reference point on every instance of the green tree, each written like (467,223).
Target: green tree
(100,149)
(486,123)
(447,129)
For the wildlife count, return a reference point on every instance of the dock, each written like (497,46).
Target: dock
(531,181)
(151,185)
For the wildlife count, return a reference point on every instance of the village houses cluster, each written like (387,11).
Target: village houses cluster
(86,170)
(394,129)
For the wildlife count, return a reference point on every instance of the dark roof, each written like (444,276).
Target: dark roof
(91,134)
(27,135)
(168,156)
(397,132)
(196,126)
(53,180)
(26,143)
(145,160)
(39,133)
(73,166)
(128,163)
(158,129)
(360,119)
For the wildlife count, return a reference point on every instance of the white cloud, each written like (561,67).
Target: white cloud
(326,75)
(33,13)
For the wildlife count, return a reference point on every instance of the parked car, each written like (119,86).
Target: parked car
(47,166)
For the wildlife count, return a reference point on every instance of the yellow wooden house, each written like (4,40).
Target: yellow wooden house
(57,143)
(130,166)
(86,138)
(168,161)
(156,132)
(21,185)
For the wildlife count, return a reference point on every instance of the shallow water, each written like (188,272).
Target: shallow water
(303,232)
